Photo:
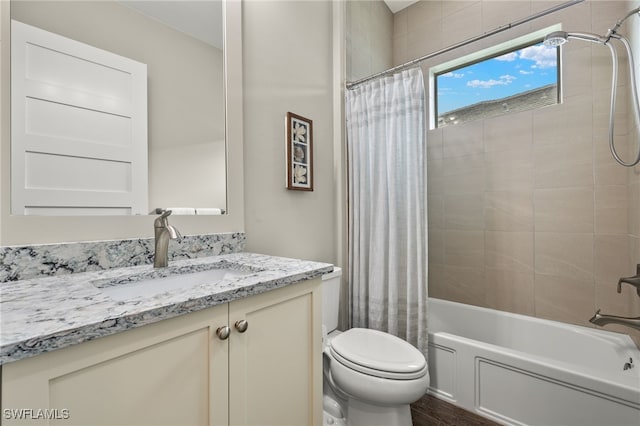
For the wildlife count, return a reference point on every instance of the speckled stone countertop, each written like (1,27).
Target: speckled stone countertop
(44,314)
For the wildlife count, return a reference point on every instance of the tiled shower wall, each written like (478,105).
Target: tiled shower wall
(528,212)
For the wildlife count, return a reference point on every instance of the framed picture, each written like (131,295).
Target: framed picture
(299,152)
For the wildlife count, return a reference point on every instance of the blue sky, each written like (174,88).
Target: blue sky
(525,69)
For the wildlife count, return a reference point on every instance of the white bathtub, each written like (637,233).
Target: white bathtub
(520,370)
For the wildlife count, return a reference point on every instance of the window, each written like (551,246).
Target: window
(495,82)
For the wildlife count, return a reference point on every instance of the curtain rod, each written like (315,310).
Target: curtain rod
(351,85)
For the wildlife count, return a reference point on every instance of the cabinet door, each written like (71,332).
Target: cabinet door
(169,373)
(276,364)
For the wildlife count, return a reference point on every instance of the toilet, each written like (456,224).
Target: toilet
(370,377)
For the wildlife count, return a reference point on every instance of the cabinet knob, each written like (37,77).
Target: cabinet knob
(223,332)
(242,326)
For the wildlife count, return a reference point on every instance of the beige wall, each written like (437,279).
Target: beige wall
(288,67)
(164,131)
(528,212)
(369,38)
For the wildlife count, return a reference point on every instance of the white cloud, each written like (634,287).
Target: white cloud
(507,57)
(453,75)
(523,72)
(543,56)
(486,84)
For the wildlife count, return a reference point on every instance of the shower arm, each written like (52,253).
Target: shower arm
(615,28)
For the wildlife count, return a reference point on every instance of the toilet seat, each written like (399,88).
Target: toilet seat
(378,354)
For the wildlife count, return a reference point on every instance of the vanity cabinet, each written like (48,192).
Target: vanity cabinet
(180,371)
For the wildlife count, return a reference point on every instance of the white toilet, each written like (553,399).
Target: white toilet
(370,377)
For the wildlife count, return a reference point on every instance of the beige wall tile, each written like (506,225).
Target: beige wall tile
(463,24)
(510,291)
(601,109)
(464,139)
(435,210)
(498,13)
(435,176)
(436,246)
(508,210)
(509,251)
(507,132)
(451,7)
(437,285)
(463,175)
(564,299)
(634,209)
(465,285)
(574,18)
(424,14)
(564,210)
(612,209)
(564,255)
(564,123)
(606,170)
(604,14)
(464,211)
(563,165)
(611,260)
(464,248)
(634,145)
(400,55)
(509,170)
(602,68)
(434,144)
(422,41)
(576,69)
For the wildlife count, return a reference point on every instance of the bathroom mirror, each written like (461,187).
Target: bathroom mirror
(181,43)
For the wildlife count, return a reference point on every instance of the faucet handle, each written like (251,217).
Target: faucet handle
(162,221)
(634,281)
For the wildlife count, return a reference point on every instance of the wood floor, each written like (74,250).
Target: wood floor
(431,411)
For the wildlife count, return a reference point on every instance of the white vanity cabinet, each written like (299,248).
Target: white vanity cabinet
(180,372)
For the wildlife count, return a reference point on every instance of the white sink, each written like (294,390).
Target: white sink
(134,288)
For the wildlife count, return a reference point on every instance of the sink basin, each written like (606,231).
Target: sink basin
(149,285)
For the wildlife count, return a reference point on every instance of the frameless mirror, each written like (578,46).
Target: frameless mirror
(181,44)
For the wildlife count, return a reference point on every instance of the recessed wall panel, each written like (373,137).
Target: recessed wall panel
(61,121)
(46,171)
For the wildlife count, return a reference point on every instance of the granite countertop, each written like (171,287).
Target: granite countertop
(44,314)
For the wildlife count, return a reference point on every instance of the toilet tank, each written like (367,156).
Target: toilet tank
(331,299)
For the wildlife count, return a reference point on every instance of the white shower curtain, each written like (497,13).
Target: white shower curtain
(387,218)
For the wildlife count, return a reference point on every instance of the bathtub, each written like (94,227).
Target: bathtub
(520,370)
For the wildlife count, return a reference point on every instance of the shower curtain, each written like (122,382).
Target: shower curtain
(387,219)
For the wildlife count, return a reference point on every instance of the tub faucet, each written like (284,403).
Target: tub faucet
(600,320)
(163,233)
(634,281)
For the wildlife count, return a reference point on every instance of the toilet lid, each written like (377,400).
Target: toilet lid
(378,354)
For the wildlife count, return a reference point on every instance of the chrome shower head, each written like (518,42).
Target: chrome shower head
(556,38)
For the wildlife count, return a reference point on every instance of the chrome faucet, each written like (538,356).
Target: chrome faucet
(600,320)
(163,233)
(634,281)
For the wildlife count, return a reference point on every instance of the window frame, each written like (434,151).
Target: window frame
(489,54)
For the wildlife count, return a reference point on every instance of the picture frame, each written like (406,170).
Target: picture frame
(299,152)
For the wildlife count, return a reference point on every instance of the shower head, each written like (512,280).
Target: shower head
(556,38)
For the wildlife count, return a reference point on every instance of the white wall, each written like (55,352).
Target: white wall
(288,67)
